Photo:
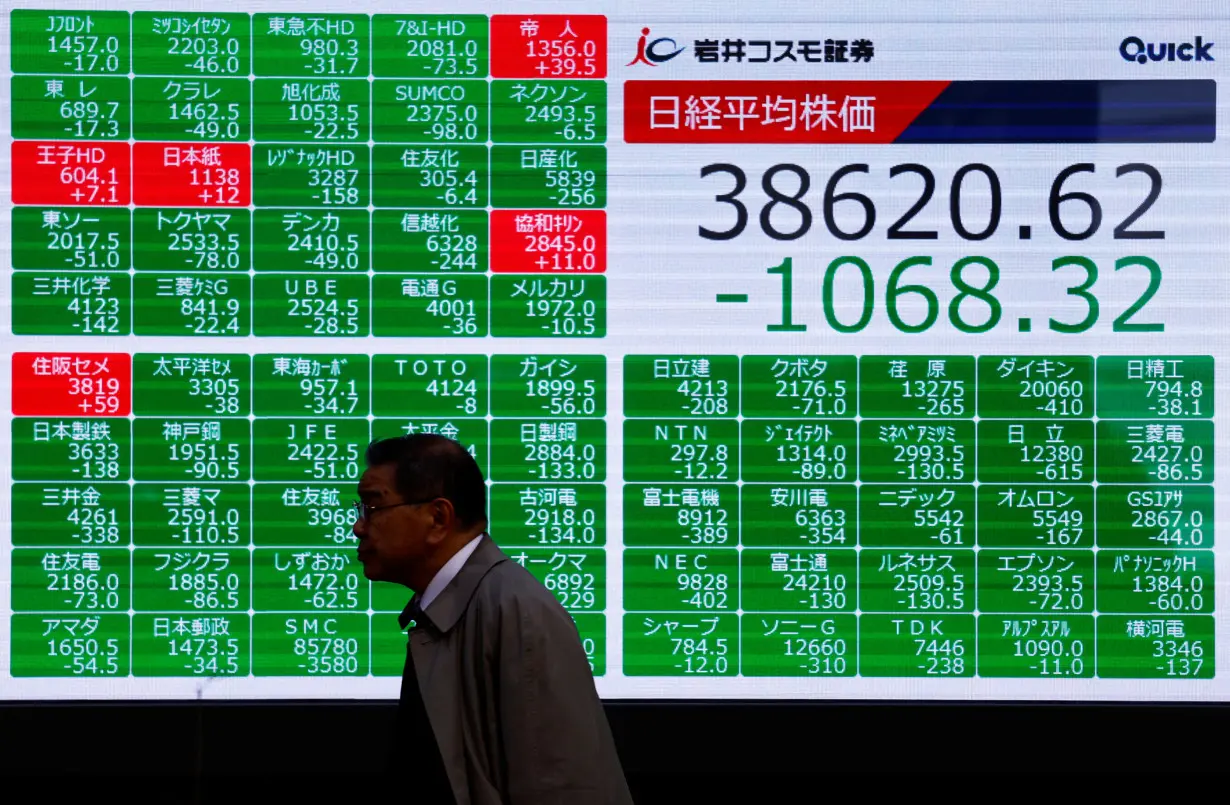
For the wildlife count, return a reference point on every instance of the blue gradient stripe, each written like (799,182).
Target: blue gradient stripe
(1144,111)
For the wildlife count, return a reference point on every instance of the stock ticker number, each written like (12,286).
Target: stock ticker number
(1074,215)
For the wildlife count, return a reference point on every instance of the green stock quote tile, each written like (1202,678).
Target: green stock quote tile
(206,43)
(916,516)
(798,580)
(1155,516)
(204,644)
(1145,452)
(1035,452)
(391,598)
(310,305)
(429,111)
(317,175)
(69,42)
(592,628)
(548,515)
(73,238)
(430,45)
(531,306)
(198,305)
(1155,386)
(316,385)
(1155,582)
(539,177)
(576,576)
(681,580)
(308,580)
(1035,386)
(898,451)
(797,515)
(76,580)
(310,110)
(191,579)
(60,303)
(428,305)
(70,108)
(1050,583)
(170,239)
(916,581)
(909,645)
(681,385)
(192,304)
(938,386)
(548,450)
(333,644)
(303,450)
(388,649)
(1033,516)
(198,450)
(672,515)
(444,176)
(208,109)
(191,516)
(423,240)
(799,645)
(796,386)
(331,241)
(1156,647)
(472,434)
(326,45)
(192,384)
(560,112)
(681,450)
(1048,646)
(798,450)
(548,385)
(63,645)
(71,514)
(304,514)
(429,385)
(68,449)
(672,644)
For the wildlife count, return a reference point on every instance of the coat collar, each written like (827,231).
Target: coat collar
(448,607)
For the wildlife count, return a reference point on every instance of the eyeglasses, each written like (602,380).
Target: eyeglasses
(363,511)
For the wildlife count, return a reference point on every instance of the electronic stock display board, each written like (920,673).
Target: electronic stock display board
(845,350)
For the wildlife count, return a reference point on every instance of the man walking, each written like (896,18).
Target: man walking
(498,703)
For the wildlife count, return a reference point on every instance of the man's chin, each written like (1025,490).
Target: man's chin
(371,569)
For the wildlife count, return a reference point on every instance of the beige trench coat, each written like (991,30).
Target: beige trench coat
(509,692)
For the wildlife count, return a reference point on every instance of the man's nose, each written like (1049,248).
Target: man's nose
(360,525)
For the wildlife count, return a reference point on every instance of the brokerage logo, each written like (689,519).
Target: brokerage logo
(655,52)
(1137,50)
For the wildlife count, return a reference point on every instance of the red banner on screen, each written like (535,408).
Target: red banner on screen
(548,241)
(72,384)
(548,46)
(192,174)
(773,111)
(70,173)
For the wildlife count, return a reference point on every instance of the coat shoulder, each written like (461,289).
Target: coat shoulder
(509,588)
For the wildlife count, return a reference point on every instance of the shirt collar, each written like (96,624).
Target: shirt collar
(447,573)
(451,596)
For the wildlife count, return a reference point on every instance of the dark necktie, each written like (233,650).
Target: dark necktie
(416,755)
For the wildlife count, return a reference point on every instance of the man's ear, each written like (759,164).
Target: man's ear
(443,518)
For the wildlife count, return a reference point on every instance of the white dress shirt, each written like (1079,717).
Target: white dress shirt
(447,573)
